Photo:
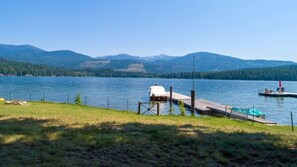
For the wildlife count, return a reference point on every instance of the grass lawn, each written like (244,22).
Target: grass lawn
(49,134)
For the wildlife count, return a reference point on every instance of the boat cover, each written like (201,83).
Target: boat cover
(157,91)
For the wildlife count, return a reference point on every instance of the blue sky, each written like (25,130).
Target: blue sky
(247,29)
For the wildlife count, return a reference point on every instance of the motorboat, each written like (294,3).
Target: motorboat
(157,93)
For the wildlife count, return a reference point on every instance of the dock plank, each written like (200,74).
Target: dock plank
(202,105)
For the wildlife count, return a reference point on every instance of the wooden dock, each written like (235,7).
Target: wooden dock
(205,106)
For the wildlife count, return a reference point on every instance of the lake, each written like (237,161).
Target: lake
(124,93)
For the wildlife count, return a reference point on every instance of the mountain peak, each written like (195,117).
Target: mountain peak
(20,47)
(121,56)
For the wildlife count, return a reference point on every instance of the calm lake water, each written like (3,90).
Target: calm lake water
(123,93)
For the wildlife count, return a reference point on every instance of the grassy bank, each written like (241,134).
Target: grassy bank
(48,134)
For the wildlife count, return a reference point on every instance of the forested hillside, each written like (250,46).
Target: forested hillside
(8,67)
(288,73)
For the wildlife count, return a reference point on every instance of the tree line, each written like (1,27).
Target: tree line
(8,67)
(289,73)
(13,68)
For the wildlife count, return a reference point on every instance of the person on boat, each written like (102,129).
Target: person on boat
(266,90)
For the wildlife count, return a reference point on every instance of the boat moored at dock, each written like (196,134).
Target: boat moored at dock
(250,111)
(157,93)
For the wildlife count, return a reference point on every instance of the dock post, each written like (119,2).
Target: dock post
(292,123)
(170,101)
(30,97)
(108,102)
(253,113)
(127,104)
(10,98)
(230,112)
(158,108)
(43,100)
(170,98)
(139,108)
(192,102)
(226,111)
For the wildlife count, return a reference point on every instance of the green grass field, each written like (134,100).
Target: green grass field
(48,134)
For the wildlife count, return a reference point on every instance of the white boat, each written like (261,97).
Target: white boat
(157,93)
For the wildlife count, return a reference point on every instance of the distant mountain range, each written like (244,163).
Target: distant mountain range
(129,57)
(204,61)
(13,68)
(31,54)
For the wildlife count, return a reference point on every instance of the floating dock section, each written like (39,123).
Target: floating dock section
(278,94)
(205,106)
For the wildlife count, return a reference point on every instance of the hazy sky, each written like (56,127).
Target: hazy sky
(248,29)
